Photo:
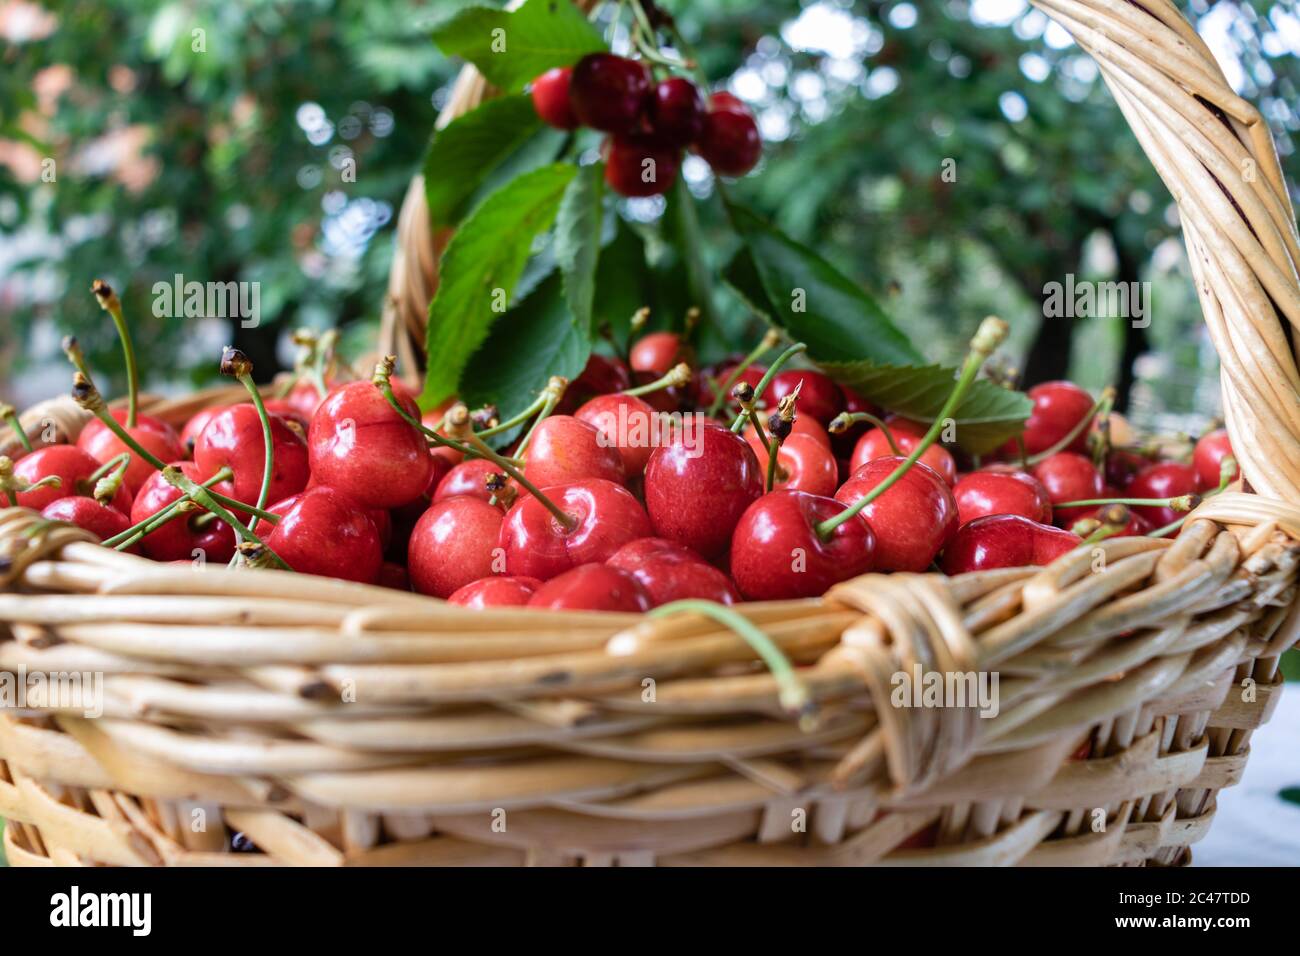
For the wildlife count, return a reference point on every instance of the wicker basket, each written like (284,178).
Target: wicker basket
(333,723)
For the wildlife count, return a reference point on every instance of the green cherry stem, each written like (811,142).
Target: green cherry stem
(770,374)
(124,539)
(176,478)
(553,392)
(675,377)
(10,414)
(792,692)
(551,395)
(87,396)
(109,302)
(110,466)
(72,349)
(1101,408)
(846,420)
(771,339)
(237,365)
(773,447)
(457,419)
(1180,503)
(990,334)
(14,485)
(1227,467)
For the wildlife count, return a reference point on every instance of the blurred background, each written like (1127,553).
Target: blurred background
(140,139)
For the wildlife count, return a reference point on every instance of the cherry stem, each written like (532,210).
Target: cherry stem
(105,487)
(124,539)
(551,396)
(72,349)
(110,303)
(793,693)
(846,420)
(1100,408)
(675,377)
(111,465)
(770,340)
(473,446)
(990,334)
(773,447)
(1180,503)
(87,396)
(237,364)
(768,376)
(10,414)
(176,478)
(1226,468)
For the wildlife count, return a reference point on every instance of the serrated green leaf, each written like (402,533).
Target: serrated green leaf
(577,243)
(536,339)
(622,283)
(479,271)
(467,150)
(511,48)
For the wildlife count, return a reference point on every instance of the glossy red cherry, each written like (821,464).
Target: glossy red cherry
(197,422)
(233,439)
(551,98)
(912,521)
(565,449)
(497,591)
(847,440)
(803,425)
(1136,527)
(752,375)
(1001,492)
(155,436)
(674,398)
(609,92)
(730,142)
(637,166)
(306,397)
(288,411)
(537,545)
(592,587)
(102,521)
(777,554)
(671,572)
(467,478)
(908,435)
(722,100)
(453,544)
(1058,408)
(322,531)
(626,423)
(395,576)
(601,376)
(1168,479)
(677,111)
(1005,541)
(183,538)
(359,445)
(1210,451)
(1122,465)
(819,397)
(698,486)
(1068,476)
(73,468)
(802,464)
(658,352)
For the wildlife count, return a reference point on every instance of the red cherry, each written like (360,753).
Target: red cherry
(551,98)
(998,492)
(1136,527)
(819,397)
(453,544)
(393,575)
(601,376)
(496,591)
(1168,479)
(359,445)
(802,463)
(671,572)
(592,587)
(1122,465)
(155,436)
(305,397)
(637,166)
(698,486)
(912,521)
(565,449)
(609,92)
(908,435)
(197,422)
(1058,408)
(73,468)
(708,379)
(288,411)
(1068,476)
(847,440)
(626,423)
(233,439)
(321,531)
(722,101)
(178,539)
(537,545)
(730,142)
(777,554)
(467,478)
(1005,541)
(102,521)
(677,111)
(1206,458)
(674,398)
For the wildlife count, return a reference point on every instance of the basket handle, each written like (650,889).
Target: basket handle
(1211,148)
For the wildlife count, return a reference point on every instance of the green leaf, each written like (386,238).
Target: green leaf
(813,301)
(536,339)
(622,283)
(510,48)
(577,243)
(682,229)
(467,150)
(480,268)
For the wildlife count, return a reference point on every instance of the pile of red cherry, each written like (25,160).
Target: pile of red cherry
(649,123)
(359,491)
